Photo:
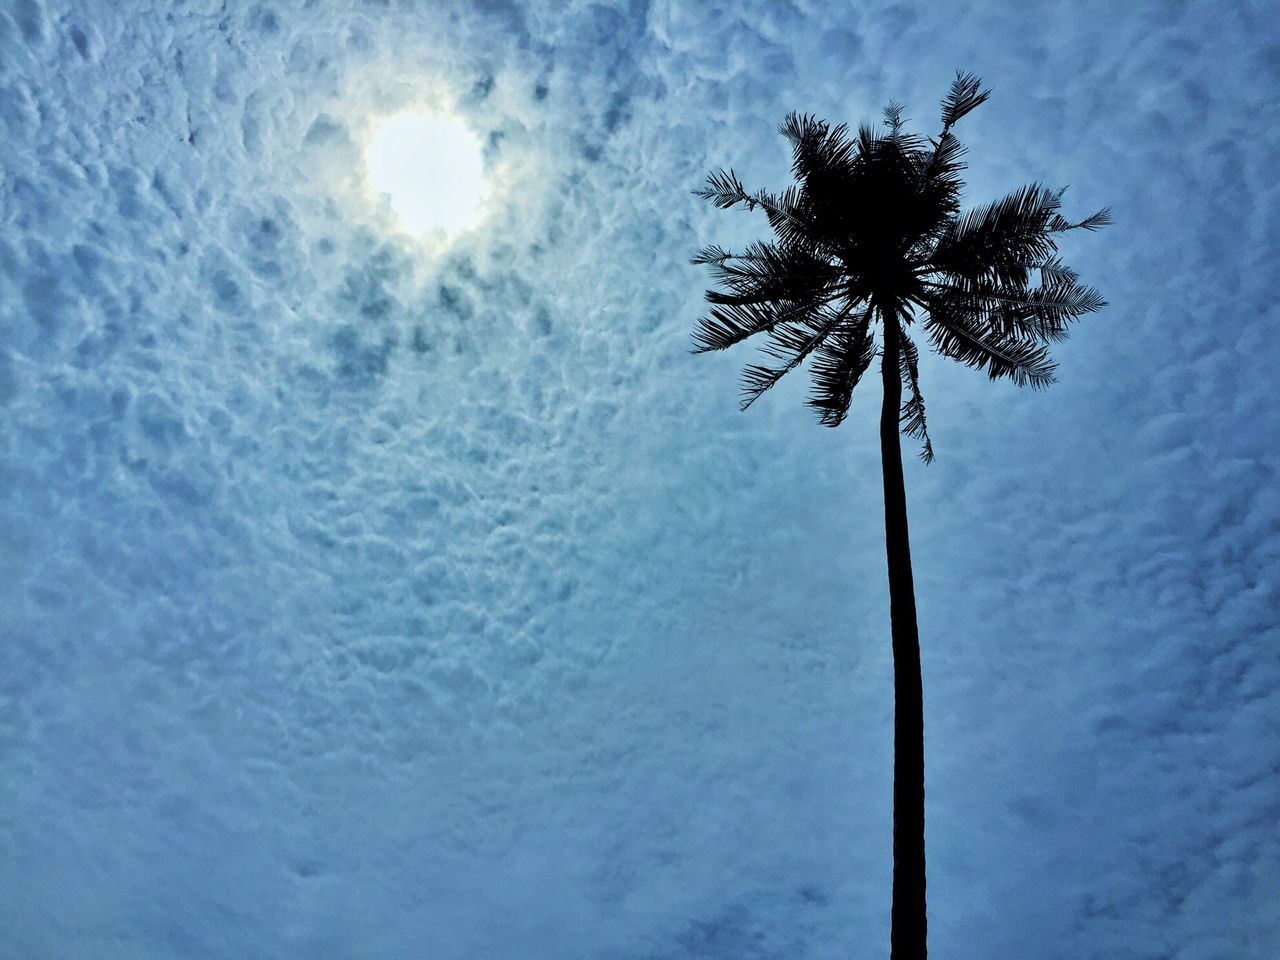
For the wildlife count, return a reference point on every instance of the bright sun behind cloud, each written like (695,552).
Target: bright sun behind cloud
(430,167)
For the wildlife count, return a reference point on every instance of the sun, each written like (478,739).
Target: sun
(431,169)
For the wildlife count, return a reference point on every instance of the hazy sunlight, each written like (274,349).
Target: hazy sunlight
(431,169)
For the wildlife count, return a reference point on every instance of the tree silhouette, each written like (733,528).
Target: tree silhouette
(871,238)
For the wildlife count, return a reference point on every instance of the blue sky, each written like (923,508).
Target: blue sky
(360,599)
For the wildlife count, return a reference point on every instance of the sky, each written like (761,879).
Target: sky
(371,596)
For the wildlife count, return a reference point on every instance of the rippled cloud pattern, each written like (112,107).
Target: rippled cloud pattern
(364,600)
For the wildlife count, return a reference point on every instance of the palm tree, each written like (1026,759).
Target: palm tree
(871,240)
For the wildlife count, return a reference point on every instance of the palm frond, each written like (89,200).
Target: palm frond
(725,327)
(784,211)
(791,344)
(817,148)
(1095,221)
(893,116)
(713,254)
(788,218)
(944,161)
(832,154)
(763,287)
(1054,270)
(1063,299)
(1024,361)
(731,324)
(966,94)
(868,142)
(936,201)
(1027,313)
(767,272)
(802,128)
(838,366)
(911,417)
(999,239)
(724,189)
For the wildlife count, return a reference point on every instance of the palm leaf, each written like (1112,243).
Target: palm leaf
(911,417)
(822,157)
(1019,311)
(838,366)
(966,94)
(999,240)
(941,165)
(788,217)
(802,128)
(893,116)
(1024,361)
(766,271)
(727,326)
(791,344)
(711,254)
(1095,221)
(724,189)
(1054,270)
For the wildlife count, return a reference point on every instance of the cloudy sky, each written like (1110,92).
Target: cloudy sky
(372,596)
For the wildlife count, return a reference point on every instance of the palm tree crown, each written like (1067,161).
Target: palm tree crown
(872,231)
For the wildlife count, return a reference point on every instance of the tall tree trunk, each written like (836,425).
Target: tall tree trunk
(908,935)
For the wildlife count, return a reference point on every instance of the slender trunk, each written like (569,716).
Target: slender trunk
(907,937)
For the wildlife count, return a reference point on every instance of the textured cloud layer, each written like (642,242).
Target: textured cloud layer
(363,600)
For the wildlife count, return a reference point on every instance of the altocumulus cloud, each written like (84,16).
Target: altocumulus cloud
(357,600)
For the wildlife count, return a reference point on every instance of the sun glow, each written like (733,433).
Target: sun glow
(430,169)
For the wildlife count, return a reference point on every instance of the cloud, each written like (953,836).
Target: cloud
(355,597)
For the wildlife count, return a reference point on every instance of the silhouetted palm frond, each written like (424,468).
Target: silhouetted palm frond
(1095,221)
(1022,360)
(966,94)
(893,117)
(1034,313)
(723,188)
(839,364)
(817,147)
(912,416)
(763,287)
(790,343)
(1000,240)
